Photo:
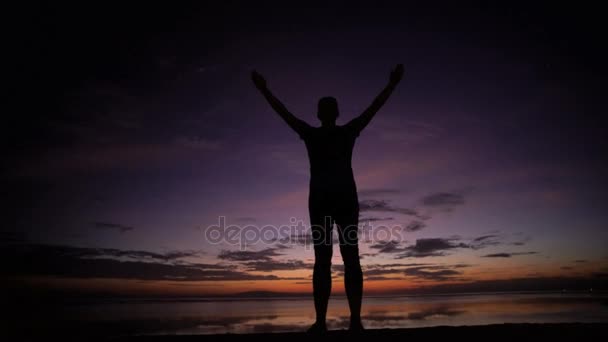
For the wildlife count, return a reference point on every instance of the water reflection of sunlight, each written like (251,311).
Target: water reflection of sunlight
(296,314)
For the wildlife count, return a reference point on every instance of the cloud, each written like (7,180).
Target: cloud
(419,271)
(112,226)
(281,246)
(494,239)
(443,199)
(580,261)
(144,255)
(381,278)
(374,219)
(507,255)
(377,192)
(274,265)
(79,262)
(263,255)
(383,206)
(484,238)
(388,247)
(415,226)
(338,268)
(497,255)
(264,260)
(435,273)
(485,241)
(381,271)
(431,247)
(522,241)
(112,253)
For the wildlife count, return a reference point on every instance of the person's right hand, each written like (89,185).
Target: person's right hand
(258,80)
(397,74)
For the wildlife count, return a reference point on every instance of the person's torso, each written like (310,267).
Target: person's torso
(330,152)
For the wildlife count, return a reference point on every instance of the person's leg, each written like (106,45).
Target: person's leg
(353,276)
(321,227)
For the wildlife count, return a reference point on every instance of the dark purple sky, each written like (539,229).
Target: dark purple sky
(139,126)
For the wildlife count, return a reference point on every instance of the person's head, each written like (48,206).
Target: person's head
(328,110)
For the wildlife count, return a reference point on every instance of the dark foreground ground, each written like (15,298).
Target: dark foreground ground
(513,332)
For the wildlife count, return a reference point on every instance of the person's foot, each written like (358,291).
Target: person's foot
(356,327)
(317,329)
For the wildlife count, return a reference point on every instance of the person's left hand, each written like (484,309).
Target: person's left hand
(258,80)
(397,74)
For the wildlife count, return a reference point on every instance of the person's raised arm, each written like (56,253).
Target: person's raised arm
(360,122)
(296,124)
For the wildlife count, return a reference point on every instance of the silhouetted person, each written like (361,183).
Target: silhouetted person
(333,193)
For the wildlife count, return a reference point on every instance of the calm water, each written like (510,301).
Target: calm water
(207,316)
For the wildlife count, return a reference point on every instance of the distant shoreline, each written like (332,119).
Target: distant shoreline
(255,296)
